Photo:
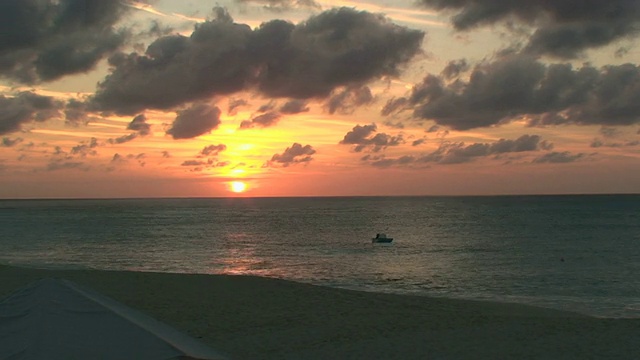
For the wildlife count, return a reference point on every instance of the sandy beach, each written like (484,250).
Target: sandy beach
(248,317)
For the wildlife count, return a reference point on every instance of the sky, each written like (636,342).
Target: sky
(228,98)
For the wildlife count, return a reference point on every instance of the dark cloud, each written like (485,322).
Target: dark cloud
(123,139)
(458,152)
(26,107)
(43,40)
(517,87)
(362,136)
(117,158)
(433,129)
(8,142)
(267,107)
(558,157)
(58,164)
(345,101)
(293,155)
(200,165)
(336,48)
(523,143)
(294,107)
(388,162)
(177,69)
(359,134)
(196,163)
(562,28)
(454,68)
(394,105)
(166,154)
(339,47)
(57,150)
(209,163)
(395,125)
(139,124)
(621,52)
(234,104)
(596,143)
(194,121)
(75,112)
(85,149)
(213,150)
(264,120)
(609,132)
(418,142)
(282,5)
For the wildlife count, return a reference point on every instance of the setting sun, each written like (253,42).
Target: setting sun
(238,186)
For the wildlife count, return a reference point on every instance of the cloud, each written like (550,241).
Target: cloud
(337,48)
(454,68)
(139,124)
(194,121)
(264,120)
(267,107)
(75,112)
(609,132)
(293,155)
(362,137)
(8,142)
(388,162)
(26,107)
(562,28)
(85,149)
(269,117)
(117,158)
(516,87)
(558,158)
(394,105)
(213,150)
(433,129)
(294,107)
(347,100)
(449,153)
(458,153)
(523,143)
(58,164)
(43,40)
(596,143)
(166,154)
(195,163)
(282,5)
(123,139)
(199,165)
(234,104)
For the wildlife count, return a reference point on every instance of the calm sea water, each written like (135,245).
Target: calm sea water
(580,253)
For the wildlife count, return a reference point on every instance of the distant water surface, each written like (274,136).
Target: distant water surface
(579,253)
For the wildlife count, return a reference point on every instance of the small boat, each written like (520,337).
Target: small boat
(381,238)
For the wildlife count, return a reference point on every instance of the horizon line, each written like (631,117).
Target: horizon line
(315,196)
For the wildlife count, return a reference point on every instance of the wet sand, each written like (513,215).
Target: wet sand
(249,317)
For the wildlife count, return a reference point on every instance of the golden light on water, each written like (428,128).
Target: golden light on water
(238,186)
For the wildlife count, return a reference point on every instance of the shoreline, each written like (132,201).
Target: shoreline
(249,317)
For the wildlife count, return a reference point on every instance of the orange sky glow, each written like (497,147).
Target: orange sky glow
(373,100)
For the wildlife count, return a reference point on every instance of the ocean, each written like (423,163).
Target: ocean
(578,253)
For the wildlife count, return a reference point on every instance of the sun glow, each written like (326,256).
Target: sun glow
(238,186)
